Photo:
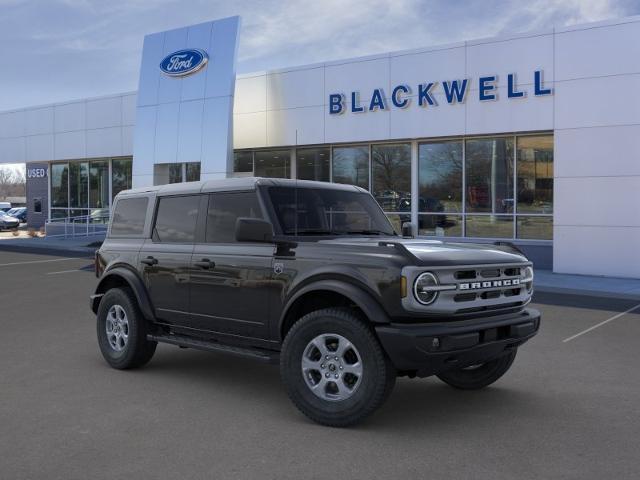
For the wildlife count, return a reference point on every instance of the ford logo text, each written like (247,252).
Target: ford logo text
(184,62)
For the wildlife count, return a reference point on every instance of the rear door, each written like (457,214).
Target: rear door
(165,258)
(231,282)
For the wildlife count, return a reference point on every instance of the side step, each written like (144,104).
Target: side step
(265,356)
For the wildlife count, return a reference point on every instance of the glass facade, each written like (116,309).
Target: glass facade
(120,175)
(535,174)
(192,171)
(175,173)
(489,175)
(60,185)
(351,165)
(99,185)
(440,188)
(272,163)
(494,187)
(88,187)
(313,164)
(243,162)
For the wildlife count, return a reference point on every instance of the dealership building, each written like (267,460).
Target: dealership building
(531,138)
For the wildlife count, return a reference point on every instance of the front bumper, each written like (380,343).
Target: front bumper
(428,349)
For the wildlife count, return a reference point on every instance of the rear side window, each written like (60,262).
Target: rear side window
(129,216)
(224,210)
(176,219)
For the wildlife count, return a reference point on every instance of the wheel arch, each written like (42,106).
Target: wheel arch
(123,277)
(330,293)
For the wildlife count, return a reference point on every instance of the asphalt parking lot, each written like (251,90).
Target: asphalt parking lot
(567,409)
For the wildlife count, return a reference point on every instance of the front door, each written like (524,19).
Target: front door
(165,259)
(231,281)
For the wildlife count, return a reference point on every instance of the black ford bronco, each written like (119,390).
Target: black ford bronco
(312,276)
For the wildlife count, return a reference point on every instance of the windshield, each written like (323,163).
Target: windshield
(317,211)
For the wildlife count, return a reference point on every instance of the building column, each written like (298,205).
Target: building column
(415,187)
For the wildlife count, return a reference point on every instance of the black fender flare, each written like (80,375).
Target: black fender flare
(358,295)
(136,284)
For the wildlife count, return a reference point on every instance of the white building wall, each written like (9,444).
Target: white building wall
(597,149)
(89,128)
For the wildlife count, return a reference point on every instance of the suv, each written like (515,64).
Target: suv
(312,276)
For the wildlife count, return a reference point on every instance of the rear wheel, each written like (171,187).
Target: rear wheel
(334,368)
(479,376)
(122,330)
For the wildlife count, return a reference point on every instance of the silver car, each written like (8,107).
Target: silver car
(8,222)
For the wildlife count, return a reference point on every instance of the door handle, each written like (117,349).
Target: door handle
(205,263)
(149,261)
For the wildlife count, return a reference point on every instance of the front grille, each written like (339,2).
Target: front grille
(485,288)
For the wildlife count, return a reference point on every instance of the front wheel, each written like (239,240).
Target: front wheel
(479,376)
(334,368)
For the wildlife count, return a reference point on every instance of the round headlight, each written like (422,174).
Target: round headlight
(423,288)
(527,278)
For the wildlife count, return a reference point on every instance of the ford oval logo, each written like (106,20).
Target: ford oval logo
(184,62)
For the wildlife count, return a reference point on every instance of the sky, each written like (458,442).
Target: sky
(58,50)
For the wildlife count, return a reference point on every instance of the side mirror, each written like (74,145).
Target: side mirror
(407,229)
(253,230)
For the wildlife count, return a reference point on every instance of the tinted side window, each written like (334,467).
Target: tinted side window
(176,219)
(129,216)
(224,210)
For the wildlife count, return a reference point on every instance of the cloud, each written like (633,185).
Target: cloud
(80,48)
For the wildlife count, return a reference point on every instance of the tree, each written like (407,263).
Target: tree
(12,183)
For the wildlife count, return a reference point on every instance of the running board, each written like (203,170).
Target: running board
(265,356)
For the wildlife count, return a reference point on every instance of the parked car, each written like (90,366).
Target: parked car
(312,276)
(20,213)
(7,222)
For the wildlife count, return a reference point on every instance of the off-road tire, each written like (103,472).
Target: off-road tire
(138,350)
(480,376)
(378,377)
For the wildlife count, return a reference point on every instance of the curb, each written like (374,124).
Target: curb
(50,250)
(587,293)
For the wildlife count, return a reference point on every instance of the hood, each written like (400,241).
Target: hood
(438,253)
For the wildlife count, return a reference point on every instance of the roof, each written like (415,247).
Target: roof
(230,184)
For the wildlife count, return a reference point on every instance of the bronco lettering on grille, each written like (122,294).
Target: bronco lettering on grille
(514,282)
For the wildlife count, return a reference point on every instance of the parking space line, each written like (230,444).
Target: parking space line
(615,317)
(37,261)
(66,271)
